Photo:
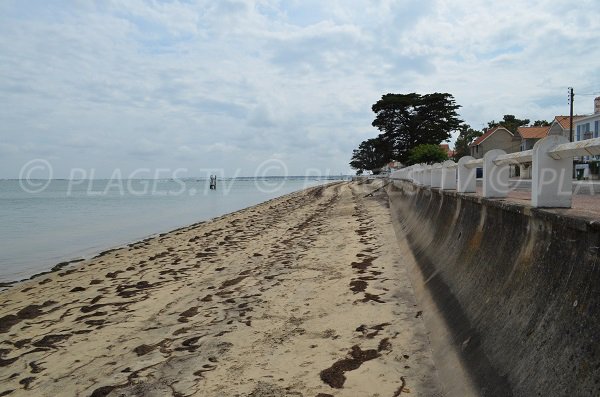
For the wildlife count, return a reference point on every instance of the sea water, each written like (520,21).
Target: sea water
(61,220)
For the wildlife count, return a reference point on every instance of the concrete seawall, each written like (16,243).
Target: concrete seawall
(511,294)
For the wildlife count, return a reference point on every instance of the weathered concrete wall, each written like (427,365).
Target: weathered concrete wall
(518,290)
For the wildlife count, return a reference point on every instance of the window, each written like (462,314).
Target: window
(596,128)
(578,133)
(587,134)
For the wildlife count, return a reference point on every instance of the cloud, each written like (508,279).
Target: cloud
(229,83)
(261,117)
(8,149)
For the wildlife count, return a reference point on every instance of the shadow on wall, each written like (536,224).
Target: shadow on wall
(517,288)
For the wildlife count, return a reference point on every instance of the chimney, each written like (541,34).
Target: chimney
(597,105)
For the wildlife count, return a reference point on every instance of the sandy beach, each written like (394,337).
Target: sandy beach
(304,295)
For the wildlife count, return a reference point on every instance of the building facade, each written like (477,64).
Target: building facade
(588,127)
(561,125)
(495,138)
(530,135)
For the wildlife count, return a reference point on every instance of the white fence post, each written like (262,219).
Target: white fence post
(495,177)
(420,175)
(448,175)
(427,176)
(412,174)
(552,167)
(436,175)
(417,174)
(466,177)
(551,179)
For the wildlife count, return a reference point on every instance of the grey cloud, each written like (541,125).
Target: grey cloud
(550,101)
(321,45)
(8,149)
(419,64)
(261,117)
(229,7)
(231,83)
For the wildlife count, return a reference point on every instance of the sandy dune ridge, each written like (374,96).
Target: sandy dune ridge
(304,295)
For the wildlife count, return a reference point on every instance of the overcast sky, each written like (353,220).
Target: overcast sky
(229,84)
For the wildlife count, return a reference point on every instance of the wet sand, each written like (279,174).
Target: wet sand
(304,295)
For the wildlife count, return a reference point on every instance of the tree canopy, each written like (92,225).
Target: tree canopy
(406,121)
(427,153)
(510,122)
(541,123)
(465,137)
(409,120)
(371,154)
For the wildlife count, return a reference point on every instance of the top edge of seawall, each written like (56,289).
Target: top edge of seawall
(574,218)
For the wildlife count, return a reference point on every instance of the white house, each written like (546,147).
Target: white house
(588,127)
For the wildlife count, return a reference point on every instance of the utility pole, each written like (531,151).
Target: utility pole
(571,97)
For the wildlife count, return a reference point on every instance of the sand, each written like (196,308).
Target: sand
(304,295)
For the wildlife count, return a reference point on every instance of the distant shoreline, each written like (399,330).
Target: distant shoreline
(199,178)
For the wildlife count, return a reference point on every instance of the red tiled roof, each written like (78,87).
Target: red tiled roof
(533,132)
(564,121)
(487,134)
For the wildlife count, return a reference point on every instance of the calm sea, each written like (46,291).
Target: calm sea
(71,219)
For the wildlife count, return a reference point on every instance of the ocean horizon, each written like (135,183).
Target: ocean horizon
(45,222)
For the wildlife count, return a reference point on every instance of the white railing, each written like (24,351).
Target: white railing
(551,179)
